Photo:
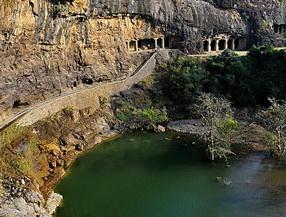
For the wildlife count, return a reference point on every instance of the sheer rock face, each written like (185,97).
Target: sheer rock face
(51,46)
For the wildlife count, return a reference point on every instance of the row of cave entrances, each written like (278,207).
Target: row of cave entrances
(223,44)
(207,45)
(147,44)
(279,29)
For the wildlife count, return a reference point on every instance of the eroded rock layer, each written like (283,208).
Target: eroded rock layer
(51,46)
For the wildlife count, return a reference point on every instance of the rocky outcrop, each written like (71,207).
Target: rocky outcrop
(191,126)
(31,204)
(31,194)
(42,147)
(48,47)
(53,202)
(43,54)
(18,199)
(89,96)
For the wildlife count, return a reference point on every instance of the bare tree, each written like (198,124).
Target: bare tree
(217,116)
(274,120)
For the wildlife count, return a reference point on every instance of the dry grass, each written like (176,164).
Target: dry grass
(20,154)
(9,134)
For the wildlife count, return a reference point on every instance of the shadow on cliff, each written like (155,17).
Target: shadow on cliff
(63,2)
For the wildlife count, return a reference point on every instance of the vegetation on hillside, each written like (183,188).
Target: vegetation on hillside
(141,107)
(207,88)
(245,81)
(20,154)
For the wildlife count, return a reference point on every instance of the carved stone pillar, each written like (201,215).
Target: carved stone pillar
(136,45)
(216,45)
(156,43)
(163,43)
(226,44)
(232,44)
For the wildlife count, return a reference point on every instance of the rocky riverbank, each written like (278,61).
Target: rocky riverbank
(248,138)
(58,140)
(27,184)
(17,199)
(43,148)
(190,126)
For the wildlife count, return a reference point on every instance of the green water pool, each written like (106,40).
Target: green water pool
(155,175)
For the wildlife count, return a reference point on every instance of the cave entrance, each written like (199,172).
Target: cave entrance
(146,44)
(167,43)
(206,46)
(279,29)
(236,44)
(160,43)
(132,46)
(18,103)
(229,44)
(221,45)
(276,29)
(213,45)
(283,30)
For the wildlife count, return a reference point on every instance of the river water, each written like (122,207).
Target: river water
(155,175)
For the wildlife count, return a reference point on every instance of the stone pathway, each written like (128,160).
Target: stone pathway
(84,97)
(81,98)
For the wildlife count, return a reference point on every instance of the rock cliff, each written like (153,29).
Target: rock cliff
(52,46)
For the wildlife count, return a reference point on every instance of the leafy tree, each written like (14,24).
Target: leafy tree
(223,74)
(267,74)
(274,120)
(217,116)
(184,80)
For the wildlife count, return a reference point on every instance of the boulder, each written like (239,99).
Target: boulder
(161,129)
(53,202)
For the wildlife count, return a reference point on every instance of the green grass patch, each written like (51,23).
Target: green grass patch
(9,134)
(20,153)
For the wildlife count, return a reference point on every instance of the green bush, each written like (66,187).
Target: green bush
(60,9)
(142,117)
(271,139)
(184,79)
(151,115)
(225,127)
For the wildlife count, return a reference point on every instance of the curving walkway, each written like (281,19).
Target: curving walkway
(89,96)
(83,98)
